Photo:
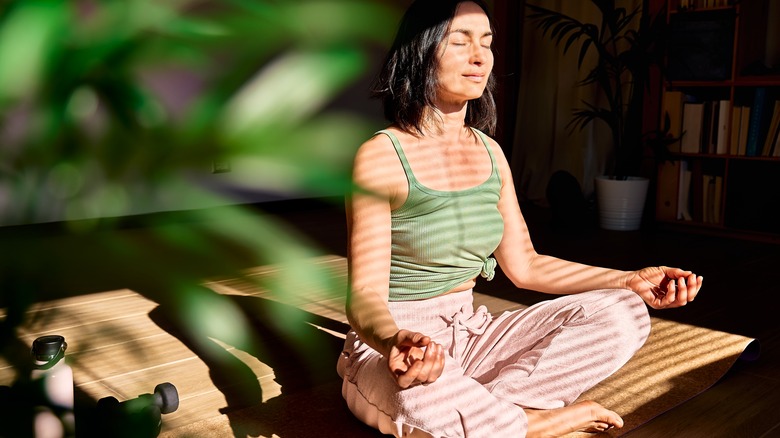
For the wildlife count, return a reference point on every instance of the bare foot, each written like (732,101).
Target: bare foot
(586,416)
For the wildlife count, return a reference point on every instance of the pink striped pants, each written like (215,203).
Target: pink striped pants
(542,357)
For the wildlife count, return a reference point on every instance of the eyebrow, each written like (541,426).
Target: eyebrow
(469,33)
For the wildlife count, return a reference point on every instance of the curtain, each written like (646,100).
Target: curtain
(549,90)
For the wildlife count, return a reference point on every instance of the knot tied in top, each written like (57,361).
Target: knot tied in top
(489,268)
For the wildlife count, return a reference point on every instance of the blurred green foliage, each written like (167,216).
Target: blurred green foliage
(113,107)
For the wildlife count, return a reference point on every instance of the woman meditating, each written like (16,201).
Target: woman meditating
(434,210)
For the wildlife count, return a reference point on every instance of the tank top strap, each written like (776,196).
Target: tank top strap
(493,161)
(401,154)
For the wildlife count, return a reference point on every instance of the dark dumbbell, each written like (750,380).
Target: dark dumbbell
(139,417)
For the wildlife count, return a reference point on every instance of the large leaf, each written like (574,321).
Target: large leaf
(114,107)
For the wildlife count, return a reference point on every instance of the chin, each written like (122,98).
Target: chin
(477,95)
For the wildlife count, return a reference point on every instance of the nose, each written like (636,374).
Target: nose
(479,55)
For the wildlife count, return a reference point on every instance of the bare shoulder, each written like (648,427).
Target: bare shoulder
(377,166)
(495,148)
(375,153)
(377,145)
(498,153)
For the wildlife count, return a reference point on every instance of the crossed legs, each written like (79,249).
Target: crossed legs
(514,375)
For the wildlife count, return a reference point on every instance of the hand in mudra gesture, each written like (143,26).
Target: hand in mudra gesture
(663,287)
(415,359)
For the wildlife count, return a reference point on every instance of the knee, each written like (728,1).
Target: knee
(459,408)
(417,414)
(631,316)
(619,318)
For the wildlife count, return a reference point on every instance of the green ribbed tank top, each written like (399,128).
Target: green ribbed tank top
(442,239)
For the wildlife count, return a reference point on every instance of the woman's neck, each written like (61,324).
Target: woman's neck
(447,124)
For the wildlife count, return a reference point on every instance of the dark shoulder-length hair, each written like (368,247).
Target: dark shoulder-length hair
(407,82)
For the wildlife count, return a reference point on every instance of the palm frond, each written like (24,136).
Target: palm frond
(582,117)
(627,43)
(558,25)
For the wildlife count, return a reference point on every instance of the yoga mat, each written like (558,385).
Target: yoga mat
(678,362)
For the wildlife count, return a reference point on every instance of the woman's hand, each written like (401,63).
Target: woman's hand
(663,287)
(414,359)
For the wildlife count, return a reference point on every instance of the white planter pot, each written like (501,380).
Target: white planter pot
(621,202)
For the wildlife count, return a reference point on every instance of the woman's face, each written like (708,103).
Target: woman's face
(465,58)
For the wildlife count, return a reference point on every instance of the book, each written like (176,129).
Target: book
(712,188)
(722,141)
(693,118)
(743,131)
(771,132)
(684,193)
(736,122)
(718,198)
(776,146)
(707,135)
(666,198)
(757,116)
(707,193)
(673,107)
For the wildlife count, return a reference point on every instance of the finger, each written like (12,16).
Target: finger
(432,353)
(694,285)
(397,368)
(678,288)
(682,292)
(416,340)
(406,379)
(670,294)
(438,365)
(421,340)
(427,365)
(676,272)
(397,365)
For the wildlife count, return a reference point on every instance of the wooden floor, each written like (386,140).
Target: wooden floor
(122,345)
(738,296)
(739,284)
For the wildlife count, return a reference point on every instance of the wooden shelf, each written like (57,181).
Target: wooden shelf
(698,10)
(682,155)
(757,81)
(745,202)
(717,230)
(742,81)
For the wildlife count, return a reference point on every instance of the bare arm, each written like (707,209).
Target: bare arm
(368,222)
(411,356)
(530,270)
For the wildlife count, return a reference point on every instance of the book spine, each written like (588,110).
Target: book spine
(756,117)
(771,133)
(724,110)
(736,116)
(668,188)
(743,131)
(693,118)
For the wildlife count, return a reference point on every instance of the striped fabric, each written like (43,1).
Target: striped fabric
(442,239)
(542,357)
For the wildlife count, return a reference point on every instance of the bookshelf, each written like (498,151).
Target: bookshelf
(722,95)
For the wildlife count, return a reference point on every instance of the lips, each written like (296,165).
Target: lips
(475,76)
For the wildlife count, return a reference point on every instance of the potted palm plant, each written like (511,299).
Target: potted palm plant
(628,44)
